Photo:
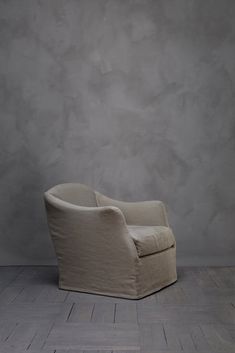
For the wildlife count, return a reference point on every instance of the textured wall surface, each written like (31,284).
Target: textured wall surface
(134,98)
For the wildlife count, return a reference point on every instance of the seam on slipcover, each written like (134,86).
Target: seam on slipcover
(158,252)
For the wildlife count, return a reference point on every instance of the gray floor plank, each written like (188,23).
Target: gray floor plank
(9,294)
(35,275)
(218,338)
(81,312)
(29,293)
(224,277)
(26,312)
(6,329)
(103,312)
(6,349)
(71,351)
(93,336)
(199,338)
(172,336)
(203,278)
(40,336)
(21,336)
(26,276)
(8,274)
(52,294)
(171,295)
(196,277)
(208,296)
(187,343)
(126,312)
(92,351)
(196,314)
(185,313)
(152,337)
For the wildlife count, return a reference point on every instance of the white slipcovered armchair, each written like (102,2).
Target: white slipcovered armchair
(105,246)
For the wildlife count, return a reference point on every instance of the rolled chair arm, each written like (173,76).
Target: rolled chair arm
(105,223)
(92,244)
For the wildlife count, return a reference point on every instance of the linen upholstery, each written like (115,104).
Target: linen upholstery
(95,249)
(77,194)
(149,240)
(145,213)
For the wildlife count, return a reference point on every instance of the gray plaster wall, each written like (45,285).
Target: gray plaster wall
(135,99)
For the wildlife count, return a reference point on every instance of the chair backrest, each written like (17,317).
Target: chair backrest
(77,194)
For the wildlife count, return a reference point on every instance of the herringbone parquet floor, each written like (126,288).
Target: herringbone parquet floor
(196,314)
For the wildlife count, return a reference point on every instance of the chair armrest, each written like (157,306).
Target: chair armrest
(149,213)
(88,232)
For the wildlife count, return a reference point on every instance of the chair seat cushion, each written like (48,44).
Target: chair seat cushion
(149,240)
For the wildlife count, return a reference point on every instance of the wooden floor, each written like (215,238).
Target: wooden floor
(196,314)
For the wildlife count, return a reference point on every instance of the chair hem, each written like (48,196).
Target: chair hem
(119,295)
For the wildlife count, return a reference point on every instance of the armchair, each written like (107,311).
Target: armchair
(105,246)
